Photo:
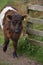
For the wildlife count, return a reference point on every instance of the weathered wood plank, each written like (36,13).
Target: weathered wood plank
(35,20)
(35,7)
(35,42)
(35,32)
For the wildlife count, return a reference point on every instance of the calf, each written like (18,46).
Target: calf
(11,23)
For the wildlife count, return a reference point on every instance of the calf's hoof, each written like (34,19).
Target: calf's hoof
(14,55)
(4,48)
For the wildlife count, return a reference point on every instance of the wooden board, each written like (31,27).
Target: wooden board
(35,42)
(35,7)
(35,20)
(35,32)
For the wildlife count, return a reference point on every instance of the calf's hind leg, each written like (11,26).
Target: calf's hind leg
(6,42)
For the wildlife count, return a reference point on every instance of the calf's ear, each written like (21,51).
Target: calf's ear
(24,16)
(9,17)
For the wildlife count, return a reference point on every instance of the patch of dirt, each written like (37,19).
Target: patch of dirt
(21,60)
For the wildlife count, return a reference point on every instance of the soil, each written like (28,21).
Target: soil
(21,60)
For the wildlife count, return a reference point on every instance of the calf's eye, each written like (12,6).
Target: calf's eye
(9,17)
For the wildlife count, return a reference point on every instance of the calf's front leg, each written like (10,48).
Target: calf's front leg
(15,48)
(6,42)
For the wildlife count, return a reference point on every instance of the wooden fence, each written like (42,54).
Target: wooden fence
(35,20)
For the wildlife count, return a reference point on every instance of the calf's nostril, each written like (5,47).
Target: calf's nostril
(16,31)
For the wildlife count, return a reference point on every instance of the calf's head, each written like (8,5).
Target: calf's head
(15,22)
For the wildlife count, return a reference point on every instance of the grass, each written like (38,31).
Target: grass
(37,27)
(1,39)
(26,47)
(3,3)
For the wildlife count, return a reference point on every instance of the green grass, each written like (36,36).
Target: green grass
(39,55)
(3,3)
(26,47)
(37,27)
(1,39)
